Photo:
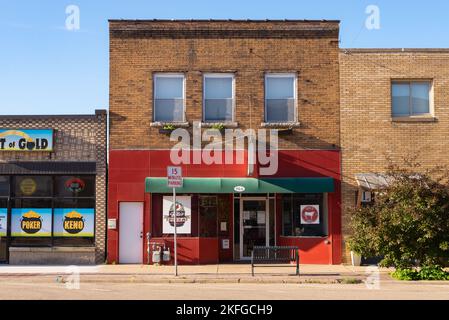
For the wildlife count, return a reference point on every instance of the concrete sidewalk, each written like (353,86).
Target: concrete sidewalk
(219,273)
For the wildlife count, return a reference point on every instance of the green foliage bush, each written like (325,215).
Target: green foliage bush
(408,224)
(425,273)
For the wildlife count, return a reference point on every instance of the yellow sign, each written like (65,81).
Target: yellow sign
(28,186)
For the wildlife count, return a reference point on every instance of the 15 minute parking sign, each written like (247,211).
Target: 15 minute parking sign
(174,177)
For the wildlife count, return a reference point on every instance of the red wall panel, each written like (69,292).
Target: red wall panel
(129,168)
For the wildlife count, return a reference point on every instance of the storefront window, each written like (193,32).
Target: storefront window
(52,210)
(4,186)
(304,215)
(75,186)
(32,186)
(208,216)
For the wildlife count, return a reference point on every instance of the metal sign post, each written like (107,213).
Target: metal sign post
(174,179)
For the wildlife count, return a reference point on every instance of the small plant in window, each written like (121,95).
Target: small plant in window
(218,126)
(167,129)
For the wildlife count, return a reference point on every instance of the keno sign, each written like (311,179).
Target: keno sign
(174,177)
(310,214)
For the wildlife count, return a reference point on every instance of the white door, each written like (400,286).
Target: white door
(130,232)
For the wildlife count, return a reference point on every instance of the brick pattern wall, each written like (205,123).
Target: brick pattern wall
(138,49)
(368,134)
(77,138)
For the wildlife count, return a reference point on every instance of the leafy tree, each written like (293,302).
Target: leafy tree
(408,224)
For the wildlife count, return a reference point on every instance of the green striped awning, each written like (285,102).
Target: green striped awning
(251,185)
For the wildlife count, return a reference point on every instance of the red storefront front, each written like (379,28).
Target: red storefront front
(224,224)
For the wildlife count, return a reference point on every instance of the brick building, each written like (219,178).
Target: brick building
(53,189)
(393,104)
(281,75)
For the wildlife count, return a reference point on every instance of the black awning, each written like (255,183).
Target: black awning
(48,167)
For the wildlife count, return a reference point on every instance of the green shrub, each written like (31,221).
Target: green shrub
(405,274)
(425,273)
(408,224)
(433,273)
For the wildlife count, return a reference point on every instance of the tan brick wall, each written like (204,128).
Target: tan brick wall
(138,49)
(77,138)
(368,134)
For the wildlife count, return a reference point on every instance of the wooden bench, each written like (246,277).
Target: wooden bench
(261,256)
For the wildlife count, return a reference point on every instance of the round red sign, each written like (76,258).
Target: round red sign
(309,214)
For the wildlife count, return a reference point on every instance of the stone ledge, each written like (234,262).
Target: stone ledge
(159,124)
(224,124)
(280,125)
(414,119)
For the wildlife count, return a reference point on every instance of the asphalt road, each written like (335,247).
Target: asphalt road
(27,288)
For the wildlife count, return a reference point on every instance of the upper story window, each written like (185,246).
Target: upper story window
(218,97)
(280,97)
(410,98)
(169,97)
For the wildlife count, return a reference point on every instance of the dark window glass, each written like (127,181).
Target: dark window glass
(74,203)
(208,216)
(313,222)
(33,186)
(75,186)
(4,186)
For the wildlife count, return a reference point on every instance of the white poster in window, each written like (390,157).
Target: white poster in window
(261,217)
(310,214)
(183,215)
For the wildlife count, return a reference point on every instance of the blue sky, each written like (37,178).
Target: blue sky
(46,69)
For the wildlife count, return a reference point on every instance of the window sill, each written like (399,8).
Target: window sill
(224,124)
(174,124)
(306,237)
(414,119)
(280,125)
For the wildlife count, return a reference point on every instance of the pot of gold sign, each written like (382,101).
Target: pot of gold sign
(31,222)
(73,222)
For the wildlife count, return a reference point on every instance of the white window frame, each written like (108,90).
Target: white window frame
(295,90)
(170,75)
(409,82)
(218,75)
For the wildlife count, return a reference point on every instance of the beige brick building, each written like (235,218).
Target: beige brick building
(370,81)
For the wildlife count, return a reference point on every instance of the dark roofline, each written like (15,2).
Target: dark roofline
(394,50)
(54,116)
(221,20)
(238,29)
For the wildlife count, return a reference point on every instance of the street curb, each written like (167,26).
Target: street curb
(93,278)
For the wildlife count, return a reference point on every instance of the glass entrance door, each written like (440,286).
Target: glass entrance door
(254,220)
